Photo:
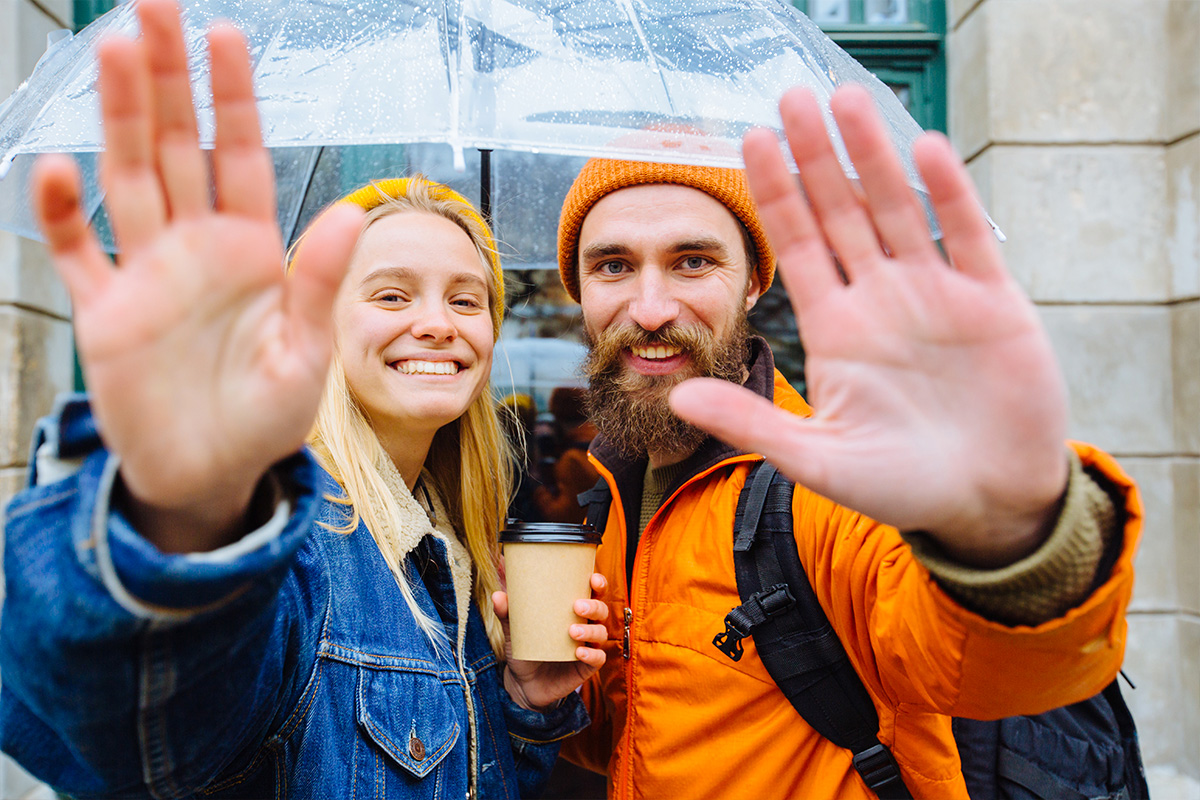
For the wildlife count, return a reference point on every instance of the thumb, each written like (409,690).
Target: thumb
(801,448)
(732,413)
(319,266)
(500,604)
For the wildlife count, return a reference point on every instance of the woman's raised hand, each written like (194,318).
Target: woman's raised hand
(204,363)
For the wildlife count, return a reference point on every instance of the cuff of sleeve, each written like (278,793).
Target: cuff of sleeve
(155,585)
(1054,578)
(566,719)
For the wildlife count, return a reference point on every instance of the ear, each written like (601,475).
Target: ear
(753,288)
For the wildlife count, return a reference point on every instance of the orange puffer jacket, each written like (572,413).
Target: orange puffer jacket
(675,718)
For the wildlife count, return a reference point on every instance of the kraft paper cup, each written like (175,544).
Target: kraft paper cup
(548,566)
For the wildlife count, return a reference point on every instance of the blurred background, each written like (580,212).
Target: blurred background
(1080,122)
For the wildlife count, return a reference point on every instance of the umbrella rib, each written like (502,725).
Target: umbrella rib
(455,135)
(641,34)
(290,232)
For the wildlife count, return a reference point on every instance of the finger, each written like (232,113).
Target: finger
(596,634)
(840,213)
(805,266)
(76,252)
(592,656)
(966,235)
(243,170)
(895,211)
(591,609)
(319,267)
(133,195)
(181,165)
(599,585)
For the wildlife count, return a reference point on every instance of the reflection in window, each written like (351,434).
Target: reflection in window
(829,12)
(887,12)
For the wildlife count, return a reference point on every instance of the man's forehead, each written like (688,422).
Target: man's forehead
(658,210)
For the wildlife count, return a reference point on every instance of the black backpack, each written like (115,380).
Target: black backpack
(1085,751)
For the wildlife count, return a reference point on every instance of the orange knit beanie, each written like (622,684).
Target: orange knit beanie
(600,177)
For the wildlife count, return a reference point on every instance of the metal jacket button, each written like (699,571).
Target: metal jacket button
(416,748)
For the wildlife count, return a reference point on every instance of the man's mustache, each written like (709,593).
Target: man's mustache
(688,339)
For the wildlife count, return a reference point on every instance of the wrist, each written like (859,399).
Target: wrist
(205,522)
(516,691)
(1006,535)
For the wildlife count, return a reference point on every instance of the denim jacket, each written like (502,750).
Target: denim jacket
(284,665)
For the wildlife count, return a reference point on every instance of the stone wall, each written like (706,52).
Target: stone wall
(35,337)
(1081,123)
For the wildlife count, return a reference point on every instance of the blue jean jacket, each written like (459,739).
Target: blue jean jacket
(285,665)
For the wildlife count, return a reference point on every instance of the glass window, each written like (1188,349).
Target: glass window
(886,12)
(830,12)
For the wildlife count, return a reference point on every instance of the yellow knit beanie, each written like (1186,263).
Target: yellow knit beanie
(379,192)
(600,177)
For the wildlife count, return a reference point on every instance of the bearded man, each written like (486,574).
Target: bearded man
(939,412)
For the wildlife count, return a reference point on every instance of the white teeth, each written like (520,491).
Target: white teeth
(655,352)
(428,367)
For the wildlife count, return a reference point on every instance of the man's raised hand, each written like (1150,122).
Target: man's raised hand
(939,403)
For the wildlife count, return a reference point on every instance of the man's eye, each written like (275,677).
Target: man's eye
(611,268)
(695,262)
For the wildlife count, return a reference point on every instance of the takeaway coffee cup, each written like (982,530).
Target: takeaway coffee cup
(548,566)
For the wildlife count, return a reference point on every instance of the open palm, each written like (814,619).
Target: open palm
(204,363)
(939,404)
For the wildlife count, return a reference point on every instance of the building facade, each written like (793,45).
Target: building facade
(1080,122)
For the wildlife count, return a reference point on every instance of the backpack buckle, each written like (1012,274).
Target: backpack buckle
(729,641)
(739,622)
(775,599)
(878,768)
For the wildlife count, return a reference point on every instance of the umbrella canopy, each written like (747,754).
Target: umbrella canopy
(652,80)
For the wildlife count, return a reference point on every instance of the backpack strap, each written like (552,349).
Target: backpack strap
(597,500)
(793,636)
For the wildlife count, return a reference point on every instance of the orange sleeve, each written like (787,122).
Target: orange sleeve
(918,650)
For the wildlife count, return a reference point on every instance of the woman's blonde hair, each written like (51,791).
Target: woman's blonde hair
(469,461)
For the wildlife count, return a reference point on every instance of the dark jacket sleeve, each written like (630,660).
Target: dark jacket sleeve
(536,737)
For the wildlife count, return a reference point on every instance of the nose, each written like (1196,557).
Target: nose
(433,321)
(653,305)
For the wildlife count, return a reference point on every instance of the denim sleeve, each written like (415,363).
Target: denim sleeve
(129,672)
(536,737)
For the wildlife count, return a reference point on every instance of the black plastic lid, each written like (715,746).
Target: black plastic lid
(516,531)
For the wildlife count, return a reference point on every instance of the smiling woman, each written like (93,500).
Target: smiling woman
(414,330)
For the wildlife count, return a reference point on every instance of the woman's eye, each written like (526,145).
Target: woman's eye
(467,302)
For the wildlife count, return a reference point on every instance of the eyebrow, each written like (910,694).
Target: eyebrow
(411,274)
(703,244)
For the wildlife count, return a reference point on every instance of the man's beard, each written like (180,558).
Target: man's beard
(630,410)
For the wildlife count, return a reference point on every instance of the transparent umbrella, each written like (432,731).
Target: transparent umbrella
(654,80)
